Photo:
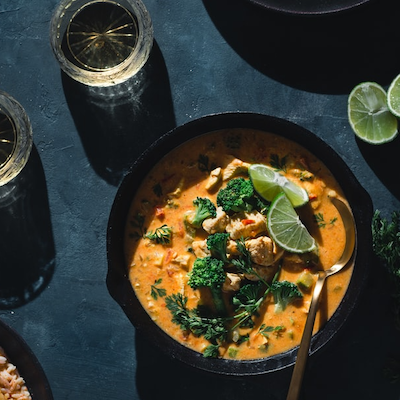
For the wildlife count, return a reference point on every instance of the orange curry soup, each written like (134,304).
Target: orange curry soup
(200,168)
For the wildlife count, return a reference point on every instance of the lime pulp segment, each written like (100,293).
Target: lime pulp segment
(269,183)
(369,115)
(393,96)
(285,227)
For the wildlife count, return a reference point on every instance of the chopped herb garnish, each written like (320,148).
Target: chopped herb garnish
(243,339)
(306,176)
(211,351)
(137,223)
(161,235)
(319,219)
(277,330)
(233,141)
(157,190)
(157,292)
(203,163)
(277,163)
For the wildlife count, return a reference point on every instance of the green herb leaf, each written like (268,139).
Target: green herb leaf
(161,235)
(157,189)
(157,292)
(277,163)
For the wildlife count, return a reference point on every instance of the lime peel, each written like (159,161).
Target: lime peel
(268,183)
(285,227)
(369,115)
(393,96)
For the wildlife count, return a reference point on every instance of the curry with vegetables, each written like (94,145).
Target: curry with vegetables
(201,260)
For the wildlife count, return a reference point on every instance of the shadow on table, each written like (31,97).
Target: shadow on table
(118,123)
(329,54)
(340,370)
(27,249)
(383,160)
(158,376)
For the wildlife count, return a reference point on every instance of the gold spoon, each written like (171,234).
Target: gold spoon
(302,354)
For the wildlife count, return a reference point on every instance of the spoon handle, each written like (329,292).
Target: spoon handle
(302,354)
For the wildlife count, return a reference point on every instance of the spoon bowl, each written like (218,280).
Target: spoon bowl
(302,354)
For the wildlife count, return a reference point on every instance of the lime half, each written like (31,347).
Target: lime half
(369,115)
(268,183)
(285,227)
(393,96)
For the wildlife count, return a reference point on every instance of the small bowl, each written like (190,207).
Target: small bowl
(19,354)
(120,287)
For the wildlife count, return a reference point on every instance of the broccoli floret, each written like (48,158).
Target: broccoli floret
(284,292)
(216,243)
(236,196)
(208,272)
(204,209)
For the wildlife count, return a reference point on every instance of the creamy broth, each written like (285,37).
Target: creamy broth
(157,271)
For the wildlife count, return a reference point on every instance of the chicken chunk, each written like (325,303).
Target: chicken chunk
(200,248)
(232,282)
(246,225)
(261,250)
(217,224)
(182,260)
(231,248)
(234,168)
(214,179)
(262,271)
(178,190)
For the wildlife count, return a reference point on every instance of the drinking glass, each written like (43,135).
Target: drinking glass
(15,138)
(101,42)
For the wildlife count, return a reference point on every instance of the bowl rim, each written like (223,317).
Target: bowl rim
(118,283)
(21,355)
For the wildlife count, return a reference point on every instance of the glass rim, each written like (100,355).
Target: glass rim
(24,137)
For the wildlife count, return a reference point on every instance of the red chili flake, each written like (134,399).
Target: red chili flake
(160,212)
(181,229)
(248,221)
(168,256)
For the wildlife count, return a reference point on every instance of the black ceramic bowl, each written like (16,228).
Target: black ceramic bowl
(310,7)
(28,366)
(118,281)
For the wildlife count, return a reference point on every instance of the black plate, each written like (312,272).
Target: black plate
(28,366)
(309,7)
(117,279)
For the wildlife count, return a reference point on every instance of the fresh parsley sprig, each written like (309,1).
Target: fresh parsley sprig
(156,291)
(216,330)
(213,329)
(386,246)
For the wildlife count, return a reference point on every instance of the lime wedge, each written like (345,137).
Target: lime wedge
(268,183)
(393,96)
(369,115)
(285,227)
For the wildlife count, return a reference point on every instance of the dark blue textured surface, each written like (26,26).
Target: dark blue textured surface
(209,56)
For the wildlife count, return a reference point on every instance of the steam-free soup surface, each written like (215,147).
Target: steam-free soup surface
(165,198)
